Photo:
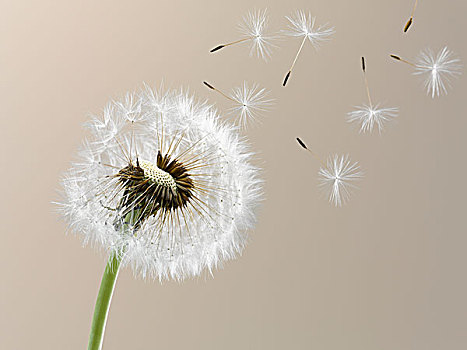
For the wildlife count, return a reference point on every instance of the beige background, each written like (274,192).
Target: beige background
(385,272)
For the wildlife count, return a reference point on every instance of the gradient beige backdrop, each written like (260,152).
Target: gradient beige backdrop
(385,272)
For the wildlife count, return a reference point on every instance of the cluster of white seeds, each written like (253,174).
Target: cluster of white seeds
(212,226)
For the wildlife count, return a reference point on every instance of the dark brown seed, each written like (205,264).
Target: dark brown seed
(286,78)
(301,143)
(363,63)
(217,48)
(395,57)
(408,24)
(209,85)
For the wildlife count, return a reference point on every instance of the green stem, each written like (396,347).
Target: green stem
(104,297)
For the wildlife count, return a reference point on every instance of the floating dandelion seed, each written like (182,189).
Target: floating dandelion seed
(253,29)
(438,69)
(370,115)
(410,21)
(250,102)
(303,25)
(336,176)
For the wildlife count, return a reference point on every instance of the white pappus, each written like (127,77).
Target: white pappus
(162,182)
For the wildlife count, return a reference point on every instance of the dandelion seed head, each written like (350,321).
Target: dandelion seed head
(370,116)
(254,26)
(337,178)
(438,70)
(303,24)
(252,101)
(164,183)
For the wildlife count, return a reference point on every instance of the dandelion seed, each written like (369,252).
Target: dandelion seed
(336,176)
(169,190)
(130,107)
(301,143)
(369,116)
(410,21)
(249,102)
(437,69)
(253,28)
(303,25)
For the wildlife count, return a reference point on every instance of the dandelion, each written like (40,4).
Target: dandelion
(410,21)
(437,69)
(166,189)
(303,25)
(370,115)
(249,102)
(337,176)
(253,29)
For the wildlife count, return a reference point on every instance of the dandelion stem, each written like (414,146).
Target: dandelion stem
(232,43)
(397,58)
(301,143)
(414,7)
(104,297)
(298,53)
(317,157)
(367,89)
(294,61)
(237,41)
(219,91)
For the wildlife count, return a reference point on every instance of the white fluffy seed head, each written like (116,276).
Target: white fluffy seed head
(438,70)
(254,26)
(252,102)
(337,178)
(304,24)
(370,116)
(178,242)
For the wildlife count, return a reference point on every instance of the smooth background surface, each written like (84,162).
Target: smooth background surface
(385,272)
